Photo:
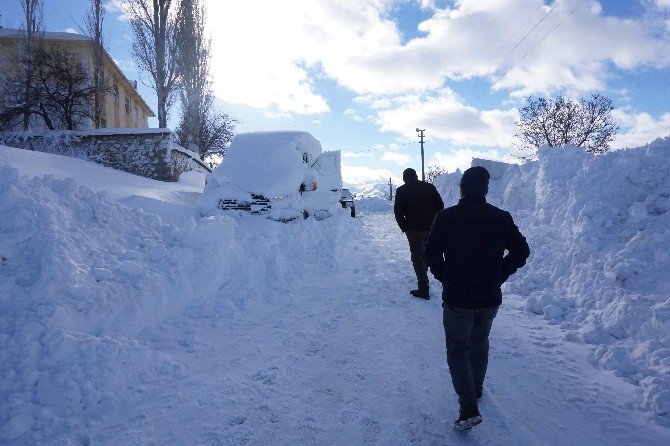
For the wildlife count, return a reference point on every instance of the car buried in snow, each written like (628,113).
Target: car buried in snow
(282,175)
(347,201)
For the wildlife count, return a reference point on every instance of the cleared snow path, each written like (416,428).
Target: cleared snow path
(351,358)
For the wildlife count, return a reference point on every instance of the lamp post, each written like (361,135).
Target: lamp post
(420,132)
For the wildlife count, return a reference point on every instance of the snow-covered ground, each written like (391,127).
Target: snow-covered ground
(117,328)
(599,228)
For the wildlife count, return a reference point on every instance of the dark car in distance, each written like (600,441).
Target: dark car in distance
(347,201)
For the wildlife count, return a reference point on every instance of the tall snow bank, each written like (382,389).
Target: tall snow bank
(598,227)
(87,284)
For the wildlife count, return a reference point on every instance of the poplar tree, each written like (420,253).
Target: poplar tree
(93,23)
(153,24)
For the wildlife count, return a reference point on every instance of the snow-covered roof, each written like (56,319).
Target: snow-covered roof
(13,33)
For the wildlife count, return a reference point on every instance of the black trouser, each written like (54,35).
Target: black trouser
(417,244)
(467,334)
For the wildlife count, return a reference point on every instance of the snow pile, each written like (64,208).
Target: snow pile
(598,227)
(267,163)
(86,285)
(373,204)
(275,165)
(375,190)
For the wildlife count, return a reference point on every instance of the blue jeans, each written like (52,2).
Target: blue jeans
(467,334)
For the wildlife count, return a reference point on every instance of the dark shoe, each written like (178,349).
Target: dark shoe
(468,418)
(478,392)
(423,294)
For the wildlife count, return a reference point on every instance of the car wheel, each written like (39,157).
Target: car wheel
(353,212)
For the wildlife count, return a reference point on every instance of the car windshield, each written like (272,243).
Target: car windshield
(346,195)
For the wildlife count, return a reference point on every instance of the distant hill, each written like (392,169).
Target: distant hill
(378,190)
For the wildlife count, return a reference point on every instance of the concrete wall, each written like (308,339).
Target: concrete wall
(148,153)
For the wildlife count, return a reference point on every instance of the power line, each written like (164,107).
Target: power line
(533,28)
(480,94)
(550,31)
(515,32)
(539,41)
(383,148)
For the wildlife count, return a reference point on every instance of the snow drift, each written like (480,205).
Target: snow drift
(85,284)
(598,227)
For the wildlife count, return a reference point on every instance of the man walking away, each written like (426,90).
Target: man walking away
(465,250)
(416,204)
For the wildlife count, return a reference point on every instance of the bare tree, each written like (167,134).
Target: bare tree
(434,171)
(584,123)
(26,48)
(214,133)
(202,128)
(153,23)
(93,23)
(193,52)
(61,92)
(64,89)
(13,95)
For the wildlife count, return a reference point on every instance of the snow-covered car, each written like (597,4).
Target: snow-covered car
(347,201)
(282,175)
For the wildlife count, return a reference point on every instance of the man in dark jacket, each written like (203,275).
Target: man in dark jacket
(465,250)
(416,203)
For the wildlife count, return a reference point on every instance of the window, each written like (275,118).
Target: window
(135,113)
(103,123)
(115,93)
(127,105)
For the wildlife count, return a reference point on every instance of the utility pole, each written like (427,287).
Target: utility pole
(390,190)
(420,132)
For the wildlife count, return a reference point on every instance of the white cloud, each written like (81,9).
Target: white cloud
(445,117)
(427,4)
(359,176)
(639,129)
(72,31)
(117,7)
(462,158)
(353,155)
(352,113)
(268,54)
(128,66)
(663,4)
(401,159)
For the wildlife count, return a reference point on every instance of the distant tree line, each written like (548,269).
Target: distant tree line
(169,44)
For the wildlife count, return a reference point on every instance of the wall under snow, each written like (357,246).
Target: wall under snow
(151,153)
(599,231)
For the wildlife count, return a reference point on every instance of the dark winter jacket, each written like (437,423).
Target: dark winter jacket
(465,250)
(416,203)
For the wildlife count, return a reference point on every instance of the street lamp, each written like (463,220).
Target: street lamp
(420,132)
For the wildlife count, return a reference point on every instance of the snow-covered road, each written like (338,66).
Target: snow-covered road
(117,329)
(352,359)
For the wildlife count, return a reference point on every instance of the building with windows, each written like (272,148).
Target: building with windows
(122,108)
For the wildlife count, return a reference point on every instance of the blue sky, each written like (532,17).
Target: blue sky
(361,76)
